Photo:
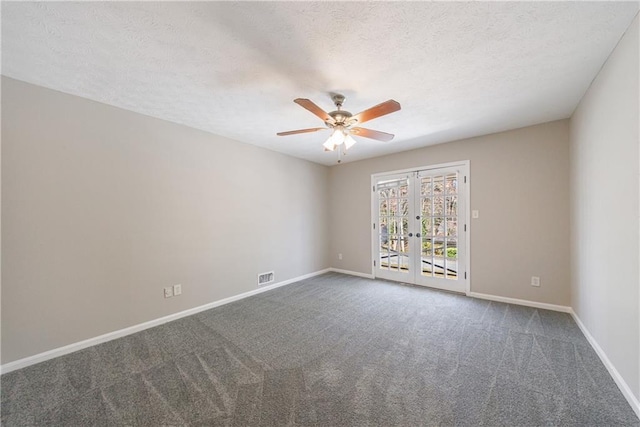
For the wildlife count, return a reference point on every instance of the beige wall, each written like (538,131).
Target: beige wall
(605,209)
(520,185)
(103,207)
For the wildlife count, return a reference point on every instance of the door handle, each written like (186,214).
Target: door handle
(410,234)
(417,234)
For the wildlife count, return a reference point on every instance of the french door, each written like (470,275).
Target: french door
(419,227)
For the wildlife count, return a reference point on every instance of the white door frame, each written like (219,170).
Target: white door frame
(464,165)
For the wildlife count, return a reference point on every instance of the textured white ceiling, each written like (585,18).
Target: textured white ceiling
(234,68)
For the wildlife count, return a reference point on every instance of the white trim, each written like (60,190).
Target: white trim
(352,273)
(524,302)
(374,237)
(61,351)
(620,382)
(423,168)
(467,219)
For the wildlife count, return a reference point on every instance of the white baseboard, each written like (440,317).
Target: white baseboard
(620,382)
(352,273)
(534,304)
(524,302)
(61,351)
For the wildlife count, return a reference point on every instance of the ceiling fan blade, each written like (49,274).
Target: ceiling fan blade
(373,134)
(379,110)
(293,132)
(309,105)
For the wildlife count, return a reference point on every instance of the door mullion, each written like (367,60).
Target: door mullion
(413,247)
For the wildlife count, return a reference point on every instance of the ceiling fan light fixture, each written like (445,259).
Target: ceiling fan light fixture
(348,142)
(329,145)
(337,137)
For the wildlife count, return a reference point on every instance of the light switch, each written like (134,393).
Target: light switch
(475,214)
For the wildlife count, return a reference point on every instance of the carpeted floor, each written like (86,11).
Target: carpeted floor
(333,350)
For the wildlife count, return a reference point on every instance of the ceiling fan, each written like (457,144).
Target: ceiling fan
(343,123)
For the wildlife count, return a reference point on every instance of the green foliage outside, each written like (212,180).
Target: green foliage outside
(438,250)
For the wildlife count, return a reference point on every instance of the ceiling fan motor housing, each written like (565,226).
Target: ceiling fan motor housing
(340,117)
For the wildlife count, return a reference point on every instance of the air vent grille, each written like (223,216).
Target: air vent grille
(265,278)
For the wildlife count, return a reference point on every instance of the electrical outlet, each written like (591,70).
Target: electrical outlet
(177,289)
(535,281)
(168,292)
(340,256)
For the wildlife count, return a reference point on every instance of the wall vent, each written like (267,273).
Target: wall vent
(265,278)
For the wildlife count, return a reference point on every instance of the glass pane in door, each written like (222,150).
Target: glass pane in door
(426,261)
(383,248)
(393,233)
(451,259)
(439,214)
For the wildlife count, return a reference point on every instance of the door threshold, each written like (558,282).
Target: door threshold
(413,285)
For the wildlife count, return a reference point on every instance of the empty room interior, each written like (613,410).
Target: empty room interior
(320,214)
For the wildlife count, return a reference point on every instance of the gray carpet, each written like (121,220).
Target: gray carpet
(334,350)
